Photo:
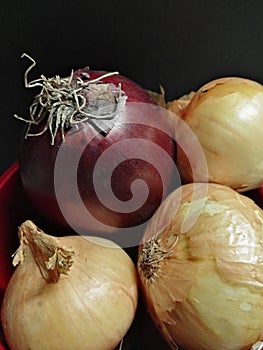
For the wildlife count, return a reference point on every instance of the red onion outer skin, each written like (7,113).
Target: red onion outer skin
(38,156)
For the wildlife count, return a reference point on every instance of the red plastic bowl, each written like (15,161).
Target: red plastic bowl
(14,208)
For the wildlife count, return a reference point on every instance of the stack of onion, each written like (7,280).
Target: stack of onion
(226,115)
(202,279)
(68,293)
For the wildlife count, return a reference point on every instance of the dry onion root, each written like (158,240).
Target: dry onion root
(226,115)
(68,293)
(204,287)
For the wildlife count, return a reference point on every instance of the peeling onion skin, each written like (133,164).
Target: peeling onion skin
(204,288)
(226,115)
(90,308)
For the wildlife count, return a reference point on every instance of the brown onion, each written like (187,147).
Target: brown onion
(226,116)
(204,286)
(52,305)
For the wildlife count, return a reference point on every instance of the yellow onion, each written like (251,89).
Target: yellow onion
(226,115)
(204,286)
(68,293)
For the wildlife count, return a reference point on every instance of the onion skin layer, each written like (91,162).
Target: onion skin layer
(91,308)
(226,116)
(37,161)
(206,291)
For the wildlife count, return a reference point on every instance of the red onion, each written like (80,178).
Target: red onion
(127,124)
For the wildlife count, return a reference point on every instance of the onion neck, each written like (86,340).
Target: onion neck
(51,259)
(152,254)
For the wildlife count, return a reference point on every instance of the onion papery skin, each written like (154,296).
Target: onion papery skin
(37,162)
(226,115)
(91,308)
(204,287)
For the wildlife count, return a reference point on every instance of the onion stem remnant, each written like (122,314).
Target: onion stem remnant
(51,258)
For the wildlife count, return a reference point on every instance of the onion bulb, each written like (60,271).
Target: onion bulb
(226,115)
(204,286)
(68,293)
(89,159)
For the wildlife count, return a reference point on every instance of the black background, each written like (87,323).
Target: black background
(179,44)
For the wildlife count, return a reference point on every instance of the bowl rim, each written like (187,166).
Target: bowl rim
(8,173)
